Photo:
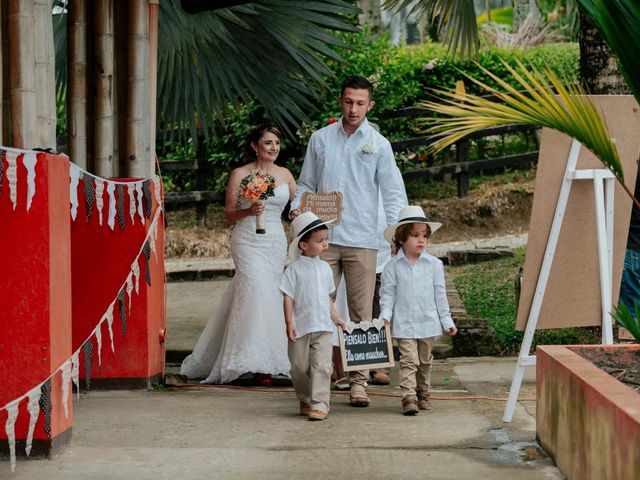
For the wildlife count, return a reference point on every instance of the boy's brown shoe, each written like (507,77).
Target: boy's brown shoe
(305,409)
(409,406)
(358,396)
(424,403)
(316,415)
(380,378)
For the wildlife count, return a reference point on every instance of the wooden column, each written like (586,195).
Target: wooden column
(103,121)
(137,138)
(22,82)
(77,82)
(45,74)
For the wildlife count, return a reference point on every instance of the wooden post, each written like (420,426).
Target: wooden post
(45,74)
(77,81)
(22,82)
(462,157)
(137,140)
(103,126)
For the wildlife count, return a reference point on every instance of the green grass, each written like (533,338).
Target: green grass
(488,291)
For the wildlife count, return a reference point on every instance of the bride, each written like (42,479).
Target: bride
(248,332)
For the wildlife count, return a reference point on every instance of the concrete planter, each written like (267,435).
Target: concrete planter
(587,420)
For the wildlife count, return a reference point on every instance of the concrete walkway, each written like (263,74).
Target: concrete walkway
(204,432)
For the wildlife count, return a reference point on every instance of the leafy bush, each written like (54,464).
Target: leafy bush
(487,290)
(403,76)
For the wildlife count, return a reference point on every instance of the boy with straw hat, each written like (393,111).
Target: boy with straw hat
(413,291)
(310,315)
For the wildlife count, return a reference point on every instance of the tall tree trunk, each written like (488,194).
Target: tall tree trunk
(370,14)
(138,90)
(45,72)
(522,9)
(103,126)
(5,117)
(153,79)
(77,75)
(598,68)
(22,81)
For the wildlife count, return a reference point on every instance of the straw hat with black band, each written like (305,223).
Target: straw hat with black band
(303,223)
(410,214)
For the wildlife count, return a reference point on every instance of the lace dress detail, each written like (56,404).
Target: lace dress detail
(248,333)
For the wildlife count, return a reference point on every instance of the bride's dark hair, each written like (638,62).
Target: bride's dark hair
(254,137)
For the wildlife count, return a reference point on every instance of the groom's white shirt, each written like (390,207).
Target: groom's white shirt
(360,166)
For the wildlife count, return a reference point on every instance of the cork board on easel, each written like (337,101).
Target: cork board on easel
(572,296)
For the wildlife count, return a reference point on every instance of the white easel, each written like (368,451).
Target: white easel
(603,184)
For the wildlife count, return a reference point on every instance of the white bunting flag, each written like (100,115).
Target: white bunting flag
(156,187)
(99,197)
(140,204)
(111,218)
(109,317)
(9,428)
(135,269)
(75,369)
(129,288)
(66,380)
(33,408)
(29,159)
(131,188)
(12,176)
(98,334)
(74,176)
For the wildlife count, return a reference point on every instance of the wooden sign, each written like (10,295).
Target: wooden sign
(326,205)
(366,345)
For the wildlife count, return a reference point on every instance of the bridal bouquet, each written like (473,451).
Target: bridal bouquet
(257,186)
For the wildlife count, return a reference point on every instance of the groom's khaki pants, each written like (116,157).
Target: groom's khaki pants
(310,357)
(359,268)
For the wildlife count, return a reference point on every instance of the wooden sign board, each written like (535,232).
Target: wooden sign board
(325,205)
(572,296)
(366,347)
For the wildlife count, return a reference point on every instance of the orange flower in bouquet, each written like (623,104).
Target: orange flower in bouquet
(257,186)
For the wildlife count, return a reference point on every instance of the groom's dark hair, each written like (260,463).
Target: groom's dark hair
(359,83)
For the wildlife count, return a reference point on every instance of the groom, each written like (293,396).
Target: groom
(352,158)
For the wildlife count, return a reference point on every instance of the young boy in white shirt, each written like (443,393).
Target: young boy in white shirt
(309,315)
(413,291)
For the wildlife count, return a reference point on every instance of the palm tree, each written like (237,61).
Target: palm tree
(213,56)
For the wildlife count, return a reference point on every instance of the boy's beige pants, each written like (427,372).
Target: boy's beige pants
(415,366)
(311,367)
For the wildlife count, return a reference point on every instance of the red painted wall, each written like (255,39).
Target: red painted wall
(35,290)
(101,262)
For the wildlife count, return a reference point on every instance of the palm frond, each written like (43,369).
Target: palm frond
(624,317)
(619,23)
(545,100)
(456,21)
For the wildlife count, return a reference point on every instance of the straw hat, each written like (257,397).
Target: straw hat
(303,223)
(411,214)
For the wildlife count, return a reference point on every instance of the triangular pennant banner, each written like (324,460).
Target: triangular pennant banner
(123,311)
(12,177)
(9,428)
(120,205)
(2,153)
(89,194)
(131,188)
(87,348)
(109,316)
(146,193)
(75,372)
(45,405)
(129,286)
(140,207)
(33,408)
(111,216)
(66,379)
(29,160)
(135,270)
(98,334)
(99,185)
(146,249)
(74,177)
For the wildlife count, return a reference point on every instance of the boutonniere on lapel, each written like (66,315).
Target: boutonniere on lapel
(367,149)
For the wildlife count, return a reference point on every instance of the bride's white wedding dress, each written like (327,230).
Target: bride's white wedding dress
(247,334)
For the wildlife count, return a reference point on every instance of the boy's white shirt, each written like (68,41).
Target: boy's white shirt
(416,297)
(309,282)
